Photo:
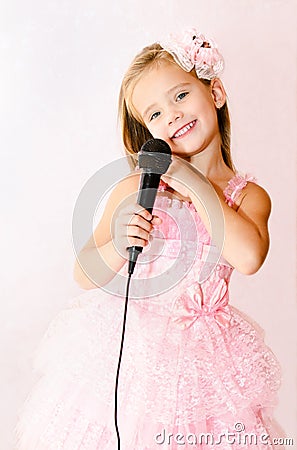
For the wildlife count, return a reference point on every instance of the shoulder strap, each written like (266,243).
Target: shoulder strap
(235,186)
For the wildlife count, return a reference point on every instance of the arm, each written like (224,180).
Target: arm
(96,266)
(246,230)
(246,240)
(123,224)
(99,260)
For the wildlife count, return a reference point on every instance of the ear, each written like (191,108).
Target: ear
(218,92)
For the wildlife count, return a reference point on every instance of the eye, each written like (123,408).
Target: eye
(154,115)
(181,96)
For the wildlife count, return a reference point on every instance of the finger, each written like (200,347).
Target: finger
(140,222)
(156,220)
(167,179)
(144,213)
(135,209)
(137,242)
(137,232)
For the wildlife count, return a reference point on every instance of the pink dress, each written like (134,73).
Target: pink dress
(192,364)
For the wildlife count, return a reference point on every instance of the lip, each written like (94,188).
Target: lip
(193,123)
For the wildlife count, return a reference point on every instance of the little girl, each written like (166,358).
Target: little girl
(195,371)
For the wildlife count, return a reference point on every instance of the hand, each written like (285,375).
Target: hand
(177,175)
(132,225)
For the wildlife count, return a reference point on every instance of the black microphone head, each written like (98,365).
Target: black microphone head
(156,145)
(155,156)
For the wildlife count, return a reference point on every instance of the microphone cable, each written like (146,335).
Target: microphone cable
(119,362)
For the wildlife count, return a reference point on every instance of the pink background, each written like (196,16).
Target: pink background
(62,64)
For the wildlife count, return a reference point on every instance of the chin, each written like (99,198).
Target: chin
(186,154)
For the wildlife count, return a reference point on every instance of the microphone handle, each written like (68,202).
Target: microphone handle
(149,183)
(148,188)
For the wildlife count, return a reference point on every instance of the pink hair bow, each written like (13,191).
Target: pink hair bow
(191,305)
(191,49)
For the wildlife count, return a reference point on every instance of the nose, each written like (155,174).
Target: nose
(174,115)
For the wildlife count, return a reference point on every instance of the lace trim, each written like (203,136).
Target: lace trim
(232,190)
(235,186)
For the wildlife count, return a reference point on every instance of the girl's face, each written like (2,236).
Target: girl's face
(178,108)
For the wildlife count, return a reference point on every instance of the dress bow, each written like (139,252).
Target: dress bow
(193,304)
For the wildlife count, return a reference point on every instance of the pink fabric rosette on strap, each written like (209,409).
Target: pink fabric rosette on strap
(235,186)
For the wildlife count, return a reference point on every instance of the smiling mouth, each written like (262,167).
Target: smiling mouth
(182,131)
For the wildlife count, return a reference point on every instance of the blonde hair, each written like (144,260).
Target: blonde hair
(134,132)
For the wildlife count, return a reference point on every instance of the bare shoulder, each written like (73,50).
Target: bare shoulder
(127,187)
(124,188)
(255,204)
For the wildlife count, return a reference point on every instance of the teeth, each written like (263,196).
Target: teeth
(184,130)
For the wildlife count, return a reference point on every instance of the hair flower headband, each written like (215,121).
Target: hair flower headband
(191,49)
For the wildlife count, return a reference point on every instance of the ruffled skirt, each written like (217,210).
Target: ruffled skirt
(206,386)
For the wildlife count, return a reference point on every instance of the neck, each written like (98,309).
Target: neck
(210,163)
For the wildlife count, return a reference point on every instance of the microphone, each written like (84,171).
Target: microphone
(154,158)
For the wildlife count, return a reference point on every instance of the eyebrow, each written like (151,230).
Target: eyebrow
(174,88)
